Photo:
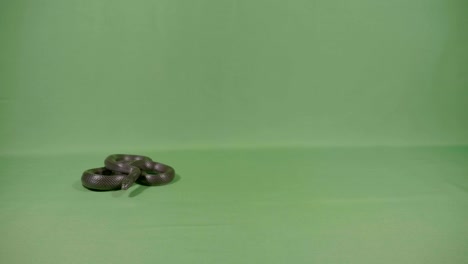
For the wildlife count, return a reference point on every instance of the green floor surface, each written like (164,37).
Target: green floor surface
(316,205)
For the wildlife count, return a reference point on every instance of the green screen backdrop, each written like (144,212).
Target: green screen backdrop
(301,131)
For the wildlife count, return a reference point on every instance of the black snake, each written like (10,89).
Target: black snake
(122,170)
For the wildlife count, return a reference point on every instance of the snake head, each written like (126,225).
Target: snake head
(131,178)
(127,183)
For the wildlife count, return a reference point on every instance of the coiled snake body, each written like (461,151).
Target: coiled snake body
(122,170)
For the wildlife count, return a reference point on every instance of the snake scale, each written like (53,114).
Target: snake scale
(122,170)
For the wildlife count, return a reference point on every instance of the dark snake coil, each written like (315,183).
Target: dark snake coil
(122,170)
